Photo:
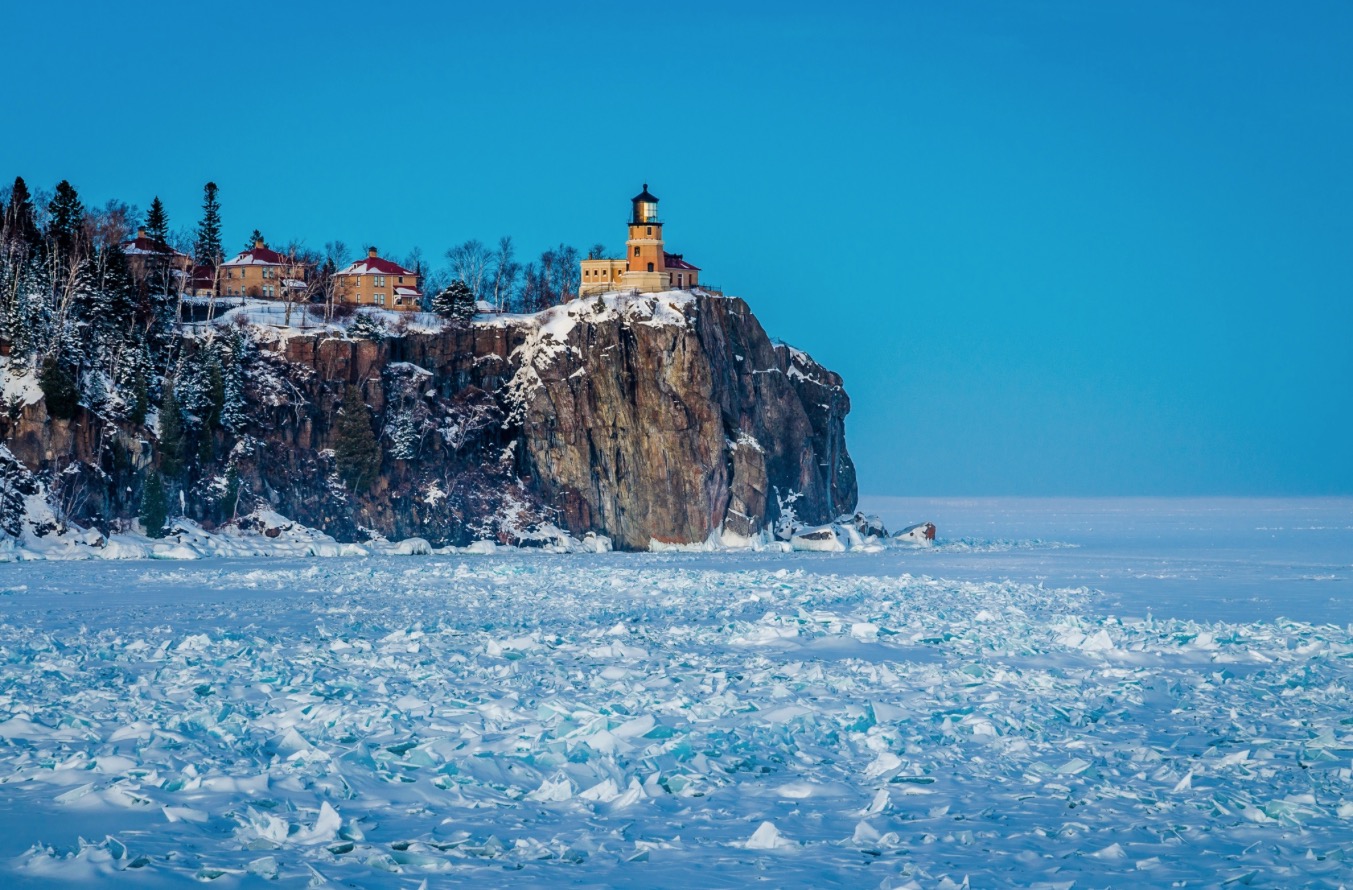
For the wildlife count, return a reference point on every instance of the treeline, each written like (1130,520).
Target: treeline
(71,307)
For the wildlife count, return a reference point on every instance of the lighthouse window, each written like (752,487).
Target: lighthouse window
(636,251)
(650,230)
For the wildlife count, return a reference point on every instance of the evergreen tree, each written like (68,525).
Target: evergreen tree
(455,302)
(367,327)
(20,226)
(154,505)
(59,388)
(357,451)
(230,498)
(171,434)
(161,292)
(157,222)
(207,249)
(133,382)
(30,322)
(405,438)
(112,313)
(213,403)
(65,228)
(236,351)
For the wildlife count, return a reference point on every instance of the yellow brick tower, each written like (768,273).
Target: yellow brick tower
(646,266)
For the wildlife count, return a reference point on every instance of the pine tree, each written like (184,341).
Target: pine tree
(367,327)
(213,403)
(133,382)
(230,499)
(235,350)
(207,249)
(30,322)
(455,302)
(234,408)
(67,216)
(171,434)
(59,388)
(154,505)
(405,439)
(113,312)
(161,292)
(20,227)
(357,451)
(157,222)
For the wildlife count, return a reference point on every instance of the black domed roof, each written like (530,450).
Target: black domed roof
(644,196)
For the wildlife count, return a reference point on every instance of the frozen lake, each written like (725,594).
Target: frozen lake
(1063,693)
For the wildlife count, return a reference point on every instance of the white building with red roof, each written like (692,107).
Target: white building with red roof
(375,281)
(261,272)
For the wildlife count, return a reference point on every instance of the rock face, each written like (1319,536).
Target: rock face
(662,417)
(670,418)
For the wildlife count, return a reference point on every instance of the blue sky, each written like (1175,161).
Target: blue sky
(1053,247)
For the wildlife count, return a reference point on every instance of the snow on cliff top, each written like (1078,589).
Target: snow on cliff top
(548,338)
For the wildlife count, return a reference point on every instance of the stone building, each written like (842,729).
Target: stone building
(375,281)
(646,266)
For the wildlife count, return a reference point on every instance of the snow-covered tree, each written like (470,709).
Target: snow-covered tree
(406,439)
(367,327)
(60,390)
(456,302)
(357,451)
(171,434)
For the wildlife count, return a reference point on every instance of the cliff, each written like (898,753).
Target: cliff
(665,417)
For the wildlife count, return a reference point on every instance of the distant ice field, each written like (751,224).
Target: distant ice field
(1069,694)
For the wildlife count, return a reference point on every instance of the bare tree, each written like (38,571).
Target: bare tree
(470,263)
(335,257)
(300,279)
(505,273)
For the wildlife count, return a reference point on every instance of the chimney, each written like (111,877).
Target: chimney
(141,231)
(259,245)
(371,252)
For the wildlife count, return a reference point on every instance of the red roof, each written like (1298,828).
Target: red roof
(203,276)
(146,244)
(261,256)
(674,261)
(374,265)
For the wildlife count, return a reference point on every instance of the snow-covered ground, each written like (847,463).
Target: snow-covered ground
(1080,702)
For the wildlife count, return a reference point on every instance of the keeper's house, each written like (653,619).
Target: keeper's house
(261,272)
(375,281)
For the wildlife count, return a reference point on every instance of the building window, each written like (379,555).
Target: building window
(380,299)
(650,230)
(380,281)
(401,279)
(636,251)
(650,267)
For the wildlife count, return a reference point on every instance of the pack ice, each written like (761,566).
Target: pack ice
(657,720)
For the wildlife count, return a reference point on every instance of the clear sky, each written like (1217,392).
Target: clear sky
(1053,247)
